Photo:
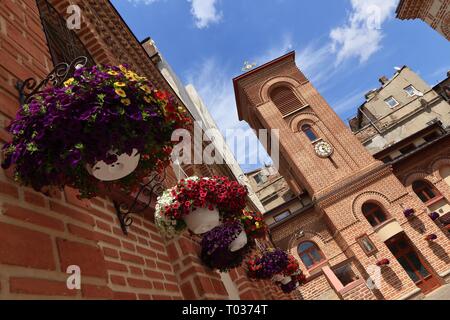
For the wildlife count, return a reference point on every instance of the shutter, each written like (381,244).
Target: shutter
(285,99)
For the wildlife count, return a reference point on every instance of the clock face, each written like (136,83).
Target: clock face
(323,149)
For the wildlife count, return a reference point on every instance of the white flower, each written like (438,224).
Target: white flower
(165,224)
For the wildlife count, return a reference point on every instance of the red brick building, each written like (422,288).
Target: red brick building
(436,13)
(359,210)
(42,234)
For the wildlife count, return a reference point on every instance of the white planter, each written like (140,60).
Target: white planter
(277,278)
(124,165)
(202,220)
(239,242)
(286,280)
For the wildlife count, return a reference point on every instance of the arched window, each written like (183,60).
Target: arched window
(285,100)
(373,213)
(424,190)
(310,254)
(306,128)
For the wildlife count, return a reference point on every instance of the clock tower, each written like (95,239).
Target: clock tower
(316,149)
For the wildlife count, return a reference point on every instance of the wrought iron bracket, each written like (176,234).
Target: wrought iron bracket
(29,87)
(142,200)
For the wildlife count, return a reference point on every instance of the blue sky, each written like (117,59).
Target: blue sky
(343,46)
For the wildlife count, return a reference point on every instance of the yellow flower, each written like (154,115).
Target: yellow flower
(257,224)
(113,73)
(119,84)
(68,82)
(121,92)
(147,99)
(122,68)
(145,88)
(126,102)
(131,75)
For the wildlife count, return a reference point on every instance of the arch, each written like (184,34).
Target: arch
(369,196)
(285,99)
(418,175)
(310,254)
(425,190)
(440,168)
(444,172)
(301,119)
(374,213)
(274,82)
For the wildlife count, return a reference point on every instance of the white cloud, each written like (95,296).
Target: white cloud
(361,35)
(205,12)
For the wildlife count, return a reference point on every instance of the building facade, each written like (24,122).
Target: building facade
(42,234)
(269,186)
(436,13)
(357,216)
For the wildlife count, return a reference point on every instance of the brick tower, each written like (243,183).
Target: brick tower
(355,196)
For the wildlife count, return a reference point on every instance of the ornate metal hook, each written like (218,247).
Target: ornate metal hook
(30,87)
(142,200)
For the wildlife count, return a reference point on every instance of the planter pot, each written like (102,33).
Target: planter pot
(239,242)
(286,280)
(202,220)
(277,278)
(124,165)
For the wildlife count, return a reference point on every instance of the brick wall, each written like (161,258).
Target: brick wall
(41,235)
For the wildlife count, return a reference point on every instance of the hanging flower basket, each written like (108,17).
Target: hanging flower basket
(288,287)
(195,203)
(434,216)
(297,279)
(431,237)
(273,262)
(219,247)
(105,127)
(254,224)
(383,262)
(292,267)
(202,220)
(408,212)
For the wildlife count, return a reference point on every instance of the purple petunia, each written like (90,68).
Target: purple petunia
(66,128)
(215,244)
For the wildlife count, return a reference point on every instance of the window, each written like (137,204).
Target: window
(306,128)
(391,102)
(345,274)
(310,254)
(260,178)
(281,216)
(269,199)
(424,190)
(386,159)
(411,91)
(373,213)
(409,148)
(432,136)
(366,244)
